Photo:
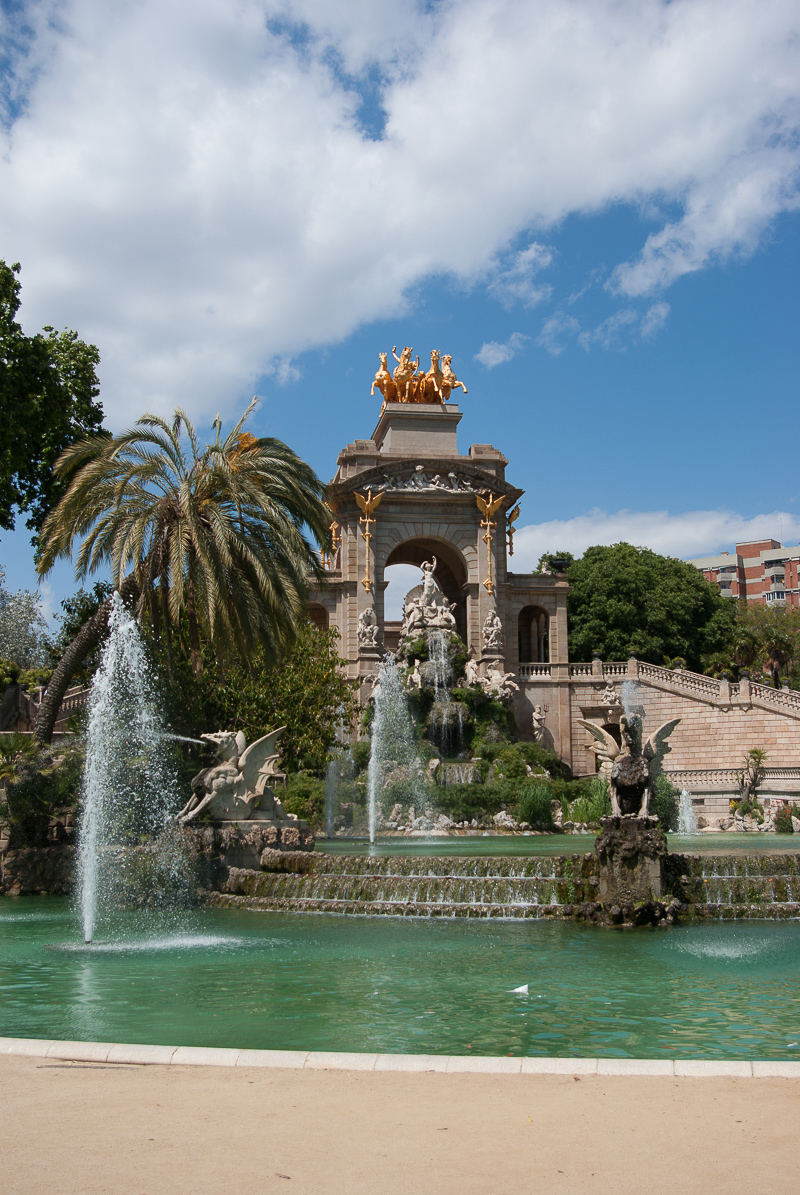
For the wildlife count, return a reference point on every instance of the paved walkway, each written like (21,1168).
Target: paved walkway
(71,1127)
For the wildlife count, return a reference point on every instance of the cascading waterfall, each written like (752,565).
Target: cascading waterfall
(129,790)
(437,653)
(687,818)
(392,738)
(449,717)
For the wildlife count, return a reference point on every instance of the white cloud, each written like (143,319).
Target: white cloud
(654,319)
(191,187)
(693,534)
(609,334)
(554,331)
(516,283)
(492,352)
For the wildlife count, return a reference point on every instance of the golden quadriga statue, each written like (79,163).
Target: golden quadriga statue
(409,384)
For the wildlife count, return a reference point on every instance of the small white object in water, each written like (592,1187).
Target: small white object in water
(790,1044)
(523,991)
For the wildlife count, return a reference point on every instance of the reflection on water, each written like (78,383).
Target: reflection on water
(289,981)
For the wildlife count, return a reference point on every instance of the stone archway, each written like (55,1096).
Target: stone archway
(533,627)
(318,615)
(451,570)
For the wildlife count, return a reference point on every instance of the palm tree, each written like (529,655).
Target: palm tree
(206,542)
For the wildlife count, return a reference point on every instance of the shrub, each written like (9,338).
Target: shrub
(35,787)
(305,797)
(360,752)
(593,803)
(664,802)
(534,804)
(783,820)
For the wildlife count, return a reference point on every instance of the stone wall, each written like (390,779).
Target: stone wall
(34,871)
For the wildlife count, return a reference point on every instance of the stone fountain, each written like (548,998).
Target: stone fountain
(632,846)
(245,824)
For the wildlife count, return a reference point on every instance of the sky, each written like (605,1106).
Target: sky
(591,204)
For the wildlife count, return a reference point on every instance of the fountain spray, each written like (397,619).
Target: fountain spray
(129,791)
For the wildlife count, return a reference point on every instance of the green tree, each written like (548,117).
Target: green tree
(553,562)
(207,542)
(23,627)
(632,600)
(308,693)
(79,608)
(48,388)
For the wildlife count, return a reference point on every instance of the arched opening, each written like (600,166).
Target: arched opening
(533,628)
(318,615)
(450,574)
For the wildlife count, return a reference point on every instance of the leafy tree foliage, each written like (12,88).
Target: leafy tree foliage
(48,388)
(78,609)
(764,640)
(212,540)
(631,600)
(549,560)
(23,628)
(308,693)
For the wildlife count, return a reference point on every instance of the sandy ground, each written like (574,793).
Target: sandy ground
(146,1130)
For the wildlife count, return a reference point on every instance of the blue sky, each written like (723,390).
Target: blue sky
(594,210)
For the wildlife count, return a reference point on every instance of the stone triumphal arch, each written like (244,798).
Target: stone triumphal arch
(407,495)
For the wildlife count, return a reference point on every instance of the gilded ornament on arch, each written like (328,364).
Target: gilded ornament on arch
(368,504)
(489,508)
(510,528)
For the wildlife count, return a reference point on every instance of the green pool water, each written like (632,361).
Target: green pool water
(502,845)
(289,981)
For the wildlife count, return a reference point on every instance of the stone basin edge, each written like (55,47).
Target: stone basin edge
(110,1052)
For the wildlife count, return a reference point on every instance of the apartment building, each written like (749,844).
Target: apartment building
(761,570)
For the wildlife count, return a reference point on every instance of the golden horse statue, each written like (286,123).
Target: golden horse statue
(409,385)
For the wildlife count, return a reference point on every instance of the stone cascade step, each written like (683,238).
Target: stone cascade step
(730,886)
(738,886)
(413,890)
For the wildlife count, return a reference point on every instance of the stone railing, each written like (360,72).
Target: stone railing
(580,670)
(693,778)
(706,685)
(707,688)
(73,701)
(788,698)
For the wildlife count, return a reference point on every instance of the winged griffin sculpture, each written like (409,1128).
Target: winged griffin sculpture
(626,764)
(238,782)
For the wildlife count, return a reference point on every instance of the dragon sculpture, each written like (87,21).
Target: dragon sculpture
(238,782)
(627,764)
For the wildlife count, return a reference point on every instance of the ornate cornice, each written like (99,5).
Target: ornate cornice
(432,477)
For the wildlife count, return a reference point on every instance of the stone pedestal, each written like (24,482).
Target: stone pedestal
(630,852)
(223,845)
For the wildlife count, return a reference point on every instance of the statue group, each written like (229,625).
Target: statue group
(430,609)
(409,384)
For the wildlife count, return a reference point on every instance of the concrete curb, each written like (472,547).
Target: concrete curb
(691,1068)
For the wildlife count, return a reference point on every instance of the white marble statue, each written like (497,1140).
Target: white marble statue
(429,586)
(610,697)
(492,632)
(538,723)
(499,684)
(367,630)
(414,677)
(445,619)
(472,671)
(238,783)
